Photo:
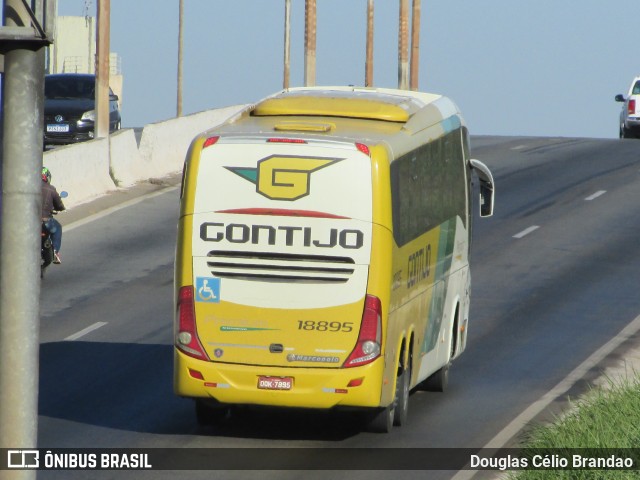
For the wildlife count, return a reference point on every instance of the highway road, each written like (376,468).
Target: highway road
(555,276)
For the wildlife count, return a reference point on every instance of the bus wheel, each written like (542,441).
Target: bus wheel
(381,421)
(209,415)
(402,397)
(438,381)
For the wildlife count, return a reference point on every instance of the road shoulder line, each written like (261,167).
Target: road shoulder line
(522,420)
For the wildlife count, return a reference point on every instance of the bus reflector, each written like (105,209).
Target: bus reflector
(187,337)
(210,141)
(216,385)
(367,347)
(356,382)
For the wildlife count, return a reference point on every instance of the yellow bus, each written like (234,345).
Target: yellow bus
(323,253)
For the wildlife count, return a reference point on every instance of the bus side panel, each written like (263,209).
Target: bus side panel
(430,280)
(414,276)
(430,227)
(449,293)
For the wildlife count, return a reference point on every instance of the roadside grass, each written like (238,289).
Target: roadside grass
(607,418)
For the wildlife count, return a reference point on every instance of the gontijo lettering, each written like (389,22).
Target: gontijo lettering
(284,235)
(419,266)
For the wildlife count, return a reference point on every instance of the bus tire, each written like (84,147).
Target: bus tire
(402,398)
(381,420)
(207,415)
(438,381)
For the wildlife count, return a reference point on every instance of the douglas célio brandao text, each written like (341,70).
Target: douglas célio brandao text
(549,461)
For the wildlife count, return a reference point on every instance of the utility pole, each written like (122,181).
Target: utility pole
(415,44)
(310,43)
(102,69)
(403,46)
(368,75)
(23,40)
(287,43)
(180,57)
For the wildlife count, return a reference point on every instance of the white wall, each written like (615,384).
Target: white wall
(74,50)
(91,169)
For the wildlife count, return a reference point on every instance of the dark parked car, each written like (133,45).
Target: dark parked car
(69,108)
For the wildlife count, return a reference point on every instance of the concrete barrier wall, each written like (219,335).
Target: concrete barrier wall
(126,167)
(164,145)
(81,169)
(91,169)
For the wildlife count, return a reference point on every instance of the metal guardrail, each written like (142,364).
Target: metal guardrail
(80,64)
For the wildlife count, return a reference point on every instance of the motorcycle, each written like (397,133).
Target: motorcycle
(46,244)
(46,249)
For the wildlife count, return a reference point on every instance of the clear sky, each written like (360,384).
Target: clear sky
(514,67)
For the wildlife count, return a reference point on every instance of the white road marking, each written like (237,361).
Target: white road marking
(109,211)
(85,331)
(595,195)
(526,231)
(98,216)
(519,147)
(525,418)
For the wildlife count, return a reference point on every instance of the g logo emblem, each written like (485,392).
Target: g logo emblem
(281,177)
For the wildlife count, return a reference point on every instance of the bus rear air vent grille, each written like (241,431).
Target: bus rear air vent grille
(280,267)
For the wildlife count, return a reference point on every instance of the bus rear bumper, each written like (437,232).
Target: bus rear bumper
(321,388)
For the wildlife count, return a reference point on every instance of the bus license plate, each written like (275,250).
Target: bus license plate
(275,383)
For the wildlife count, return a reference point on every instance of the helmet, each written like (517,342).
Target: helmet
(46,175)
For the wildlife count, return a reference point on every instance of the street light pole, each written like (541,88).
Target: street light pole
(368,75)
(20,239)
(180,56)
(403,46)
(24,35)
(415,45)
(310,44)
(102,69)
(287,43)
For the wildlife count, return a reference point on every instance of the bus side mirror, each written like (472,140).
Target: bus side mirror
(487,187)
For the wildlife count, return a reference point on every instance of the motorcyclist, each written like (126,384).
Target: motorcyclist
(51,202)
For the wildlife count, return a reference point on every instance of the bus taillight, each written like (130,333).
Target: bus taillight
(210,141)
(368,345)
(363,148)
(187,336)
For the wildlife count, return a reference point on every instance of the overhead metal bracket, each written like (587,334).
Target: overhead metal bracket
(30,23)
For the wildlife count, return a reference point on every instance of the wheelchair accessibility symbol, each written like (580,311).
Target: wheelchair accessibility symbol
(208,289)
